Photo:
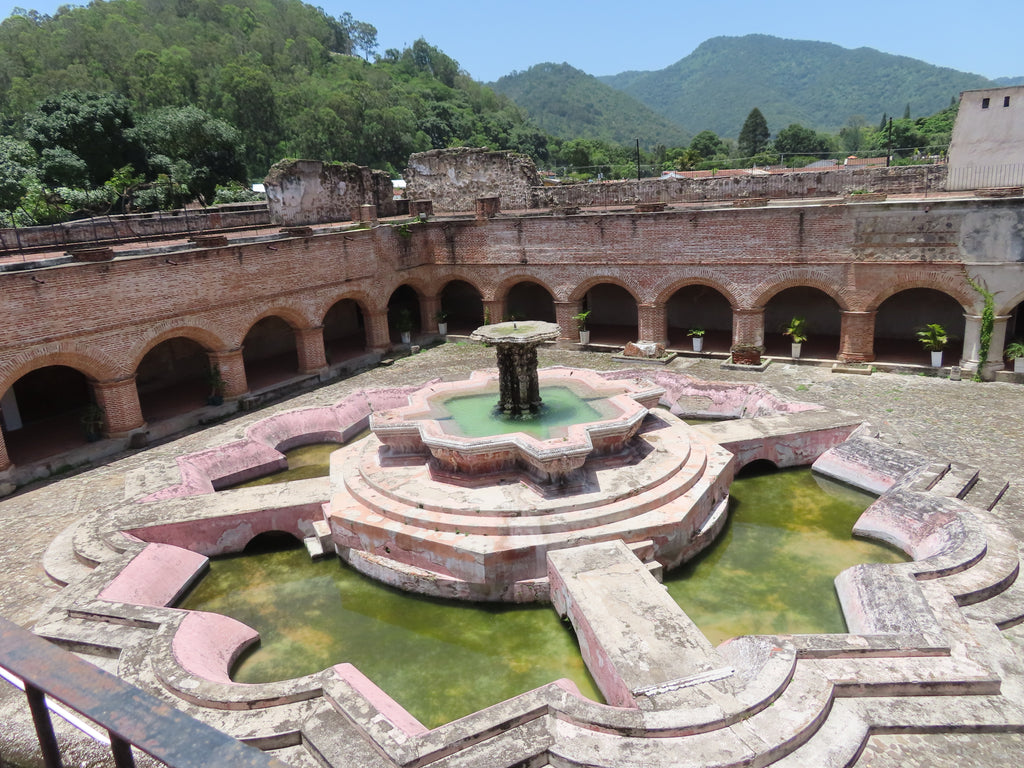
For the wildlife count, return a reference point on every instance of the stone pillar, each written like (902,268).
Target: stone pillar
(494,311)
(429,307)
(564,313)
(857,337)
(5,460)
(653,323)
(232,370)
(748,326)
(378,335)
(972,346)
(119,400)
(309,343)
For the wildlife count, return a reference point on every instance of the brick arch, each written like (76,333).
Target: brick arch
(506,284)
(204,337)
(952,284)
(418,284)
(581,289)
(443,279)
(829,282)
(700,277)
(361,298)
(290,315)
(96,365)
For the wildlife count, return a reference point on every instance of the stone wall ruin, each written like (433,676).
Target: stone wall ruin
(313,192)
(455,178)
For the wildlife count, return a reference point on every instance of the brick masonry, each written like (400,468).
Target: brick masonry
(103,318)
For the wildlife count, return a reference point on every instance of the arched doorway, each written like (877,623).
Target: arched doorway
(463,306)
(613,315)
(269,353)
(344,331)
(173,378)
(699,306)
(48,411)
(903,314)
(530,301)
(823,316)
(403,313)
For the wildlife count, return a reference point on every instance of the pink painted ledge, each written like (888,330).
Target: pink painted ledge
(157,576)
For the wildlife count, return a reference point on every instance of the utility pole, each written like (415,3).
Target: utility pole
(638,160)
(888,145)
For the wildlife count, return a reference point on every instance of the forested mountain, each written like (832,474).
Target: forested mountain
(818,85)
(569,103)
(283,73)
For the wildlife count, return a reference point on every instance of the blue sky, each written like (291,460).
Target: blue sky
(491,39)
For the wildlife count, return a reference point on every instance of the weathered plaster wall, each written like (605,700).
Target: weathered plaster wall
(313,192)
(455,178)
(987,148)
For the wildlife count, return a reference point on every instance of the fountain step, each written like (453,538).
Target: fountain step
(657,456)
(1005,610)
(956,482)
(478,522)
(986,492)
(486,559)
(996,571)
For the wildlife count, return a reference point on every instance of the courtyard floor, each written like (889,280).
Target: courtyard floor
(977,424)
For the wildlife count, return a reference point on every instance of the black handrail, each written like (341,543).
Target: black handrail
(130,716)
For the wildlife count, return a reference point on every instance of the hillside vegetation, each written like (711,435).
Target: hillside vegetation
(818,85)
(569,103)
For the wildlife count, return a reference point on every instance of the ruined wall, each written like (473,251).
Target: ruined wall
(313,192)
(455,178)
(909,179)
(137,225)
(987,148)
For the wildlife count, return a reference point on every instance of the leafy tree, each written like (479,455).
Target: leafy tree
(798,140)
(193,148)
(17,160)
(82,138)
(707,144)
(754,135)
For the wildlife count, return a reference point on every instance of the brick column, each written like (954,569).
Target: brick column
(748,326)
(857,337)
(309,343)
(652,323)
(378,338)
(564,312)
(429,307)
(494,311)
(119,400)
(232,370)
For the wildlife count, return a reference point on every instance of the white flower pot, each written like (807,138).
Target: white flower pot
(584,337)
(698,343)
(937,359)
(442,328)
(795,350)
(1018,365)
(406,337)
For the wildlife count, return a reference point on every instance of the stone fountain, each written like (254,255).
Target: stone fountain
(438,504)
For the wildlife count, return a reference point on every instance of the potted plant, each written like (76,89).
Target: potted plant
(92,422)
(697,335)
(934,339)
(1015,351)
(797,332)
(581,326)
(217,384)
(403,324)
(442,322)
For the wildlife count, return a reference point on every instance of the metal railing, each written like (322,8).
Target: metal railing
(111,710)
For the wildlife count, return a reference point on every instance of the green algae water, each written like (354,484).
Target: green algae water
(439,659)
(304,462)
(476,415)
(771,569)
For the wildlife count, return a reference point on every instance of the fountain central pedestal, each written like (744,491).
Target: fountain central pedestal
(517,344)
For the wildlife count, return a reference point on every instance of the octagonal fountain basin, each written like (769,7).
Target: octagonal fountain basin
(464,427)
